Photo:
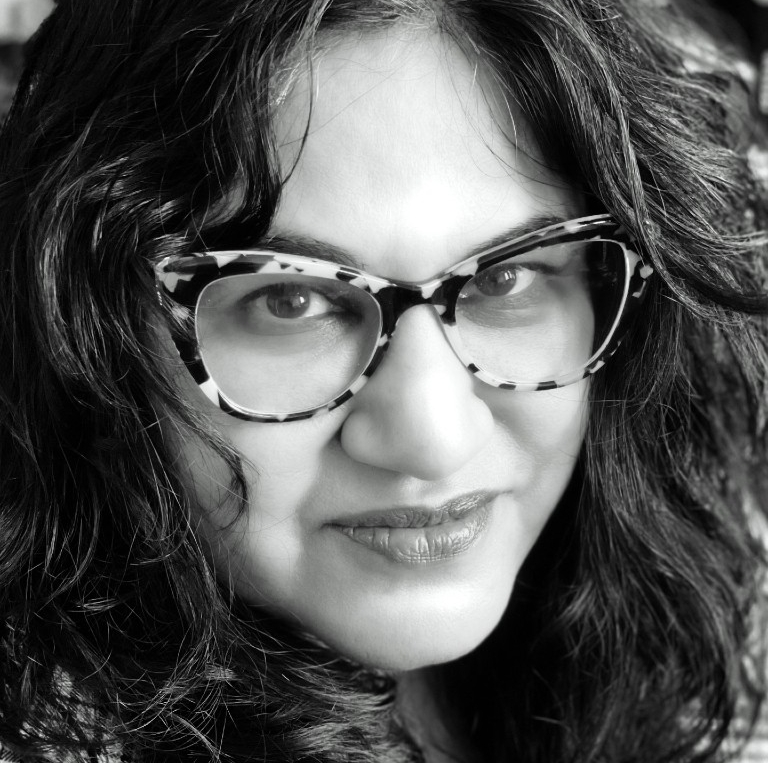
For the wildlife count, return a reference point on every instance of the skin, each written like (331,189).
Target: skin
(406,168)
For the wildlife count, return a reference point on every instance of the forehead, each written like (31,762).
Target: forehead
(397,148)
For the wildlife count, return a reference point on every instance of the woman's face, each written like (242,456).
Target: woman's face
(407,171)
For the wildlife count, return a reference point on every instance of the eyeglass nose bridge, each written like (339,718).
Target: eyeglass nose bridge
(395,300)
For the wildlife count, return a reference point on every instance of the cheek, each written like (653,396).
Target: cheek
(555,428)
(279,472)
(544,431)
(278,459)
(259,549)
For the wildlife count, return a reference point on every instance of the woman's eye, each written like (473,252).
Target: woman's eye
(290,301)
(504,281)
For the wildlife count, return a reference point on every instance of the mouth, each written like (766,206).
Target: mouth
(420,535)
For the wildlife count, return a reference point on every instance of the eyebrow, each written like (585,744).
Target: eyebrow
(306,246)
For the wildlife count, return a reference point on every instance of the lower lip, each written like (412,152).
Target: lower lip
(423,545)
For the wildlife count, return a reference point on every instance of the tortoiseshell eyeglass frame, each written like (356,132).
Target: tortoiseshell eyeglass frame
(181,279)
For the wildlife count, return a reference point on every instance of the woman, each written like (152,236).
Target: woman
(385,381)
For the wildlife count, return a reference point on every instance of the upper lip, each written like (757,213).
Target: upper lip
(417,516)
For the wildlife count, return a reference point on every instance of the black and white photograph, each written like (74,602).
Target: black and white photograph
(383,381)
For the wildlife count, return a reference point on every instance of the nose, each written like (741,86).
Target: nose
(419,414)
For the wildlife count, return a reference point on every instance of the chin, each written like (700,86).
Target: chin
(416,644)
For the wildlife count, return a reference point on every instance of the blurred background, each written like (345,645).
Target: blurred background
(18,21)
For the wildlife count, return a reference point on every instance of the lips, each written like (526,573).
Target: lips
(420,535)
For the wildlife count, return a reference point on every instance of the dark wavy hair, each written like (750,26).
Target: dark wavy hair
(630,636)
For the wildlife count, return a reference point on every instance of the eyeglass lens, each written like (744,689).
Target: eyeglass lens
(280,344)
(544,314)
(284,343)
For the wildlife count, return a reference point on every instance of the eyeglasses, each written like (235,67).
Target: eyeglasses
(277,337)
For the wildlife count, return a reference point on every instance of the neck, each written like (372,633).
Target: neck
(425,718)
